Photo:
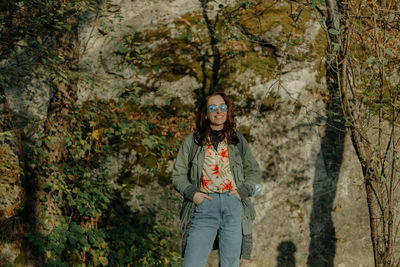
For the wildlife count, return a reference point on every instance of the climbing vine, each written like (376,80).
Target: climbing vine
(91,222)
(85,216)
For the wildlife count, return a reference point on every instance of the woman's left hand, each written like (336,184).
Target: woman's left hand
(235,192)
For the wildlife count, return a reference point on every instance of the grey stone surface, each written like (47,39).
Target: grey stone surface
(299,183)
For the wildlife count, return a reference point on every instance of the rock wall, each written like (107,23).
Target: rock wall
(312,210)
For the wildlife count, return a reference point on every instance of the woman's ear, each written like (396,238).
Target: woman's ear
(206,117)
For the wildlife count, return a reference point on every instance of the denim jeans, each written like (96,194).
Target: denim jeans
(223,215)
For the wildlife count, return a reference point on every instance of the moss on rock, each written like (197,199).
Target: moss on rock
(269,102)
(245,131)
(11,191)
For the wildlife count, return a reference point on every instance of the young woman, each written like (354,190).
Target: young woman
(216,185)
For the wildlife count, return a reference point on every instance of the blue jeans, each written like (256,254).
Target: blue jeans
(222,215)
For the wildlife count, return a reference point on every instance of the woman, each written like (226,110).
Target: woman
(216,185)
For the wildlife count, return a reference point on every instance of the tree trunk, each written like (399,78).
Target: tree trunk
(57,125)
(216,55)
(338,19)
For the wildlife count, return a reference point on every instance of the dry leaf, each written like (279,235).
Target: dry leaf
(185,21)
(337,207)
(97,133)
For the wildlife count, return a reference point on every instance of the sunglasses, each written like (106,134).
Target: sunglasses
(214,108)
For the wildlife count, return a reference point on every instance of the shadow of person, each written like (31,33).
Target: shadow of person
(286,251)
(322,248)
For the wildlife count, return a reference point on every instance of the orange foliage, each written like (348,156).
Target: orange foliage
(169,125)
(235,46)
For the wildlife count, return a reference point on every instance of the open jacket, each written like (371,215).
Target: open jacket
(246,174)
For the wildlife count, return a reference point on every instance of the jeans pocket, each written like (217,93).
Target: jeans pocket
(202,203)
(236,199)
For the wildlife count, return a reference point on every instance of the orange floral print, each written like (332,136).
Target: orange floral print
(215,169)
(217,175)
(223,155)
(226,185)
(208,151)
(205,182)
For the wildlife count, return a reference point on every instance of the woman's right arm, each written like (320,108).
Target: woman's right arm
(180,171)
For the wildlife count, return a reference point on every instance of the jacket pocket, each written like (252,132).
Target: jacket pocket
(250,211)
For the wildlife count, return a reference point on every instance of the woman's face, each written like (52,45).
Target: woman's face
(218,117)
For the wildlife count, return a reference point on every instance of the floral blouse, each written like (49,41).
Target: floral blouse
(217,176)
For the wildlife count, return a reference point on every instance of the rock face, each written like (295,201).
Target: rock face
(312,210)
(11,191)
(11,203)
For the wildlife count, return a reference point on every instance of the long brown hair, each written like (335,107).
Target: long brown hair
(203,129)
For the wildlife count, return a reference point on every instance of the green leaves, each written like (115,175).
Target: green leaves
(382,60)
(75,228)
(333,31)
(246,4)
(390,53)
(371,60)
(336,46)
(88,199)
(87,222)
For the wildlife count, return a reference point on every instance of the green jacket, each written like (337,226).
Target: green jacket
(246,173)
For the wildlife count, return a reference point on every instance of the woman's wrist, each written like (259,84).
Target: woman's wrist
(189,192)
(244,191)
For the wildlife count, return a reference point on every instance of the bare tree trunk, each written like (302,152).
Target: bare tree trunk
(333,14)
(216,55)
(380,209)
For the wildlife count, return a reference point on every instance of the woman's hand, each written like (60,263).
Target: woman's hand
(199,197)
(235,192)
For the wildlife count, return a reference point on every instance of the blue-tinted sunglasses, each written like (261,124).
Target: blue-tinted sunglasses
(214,108)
